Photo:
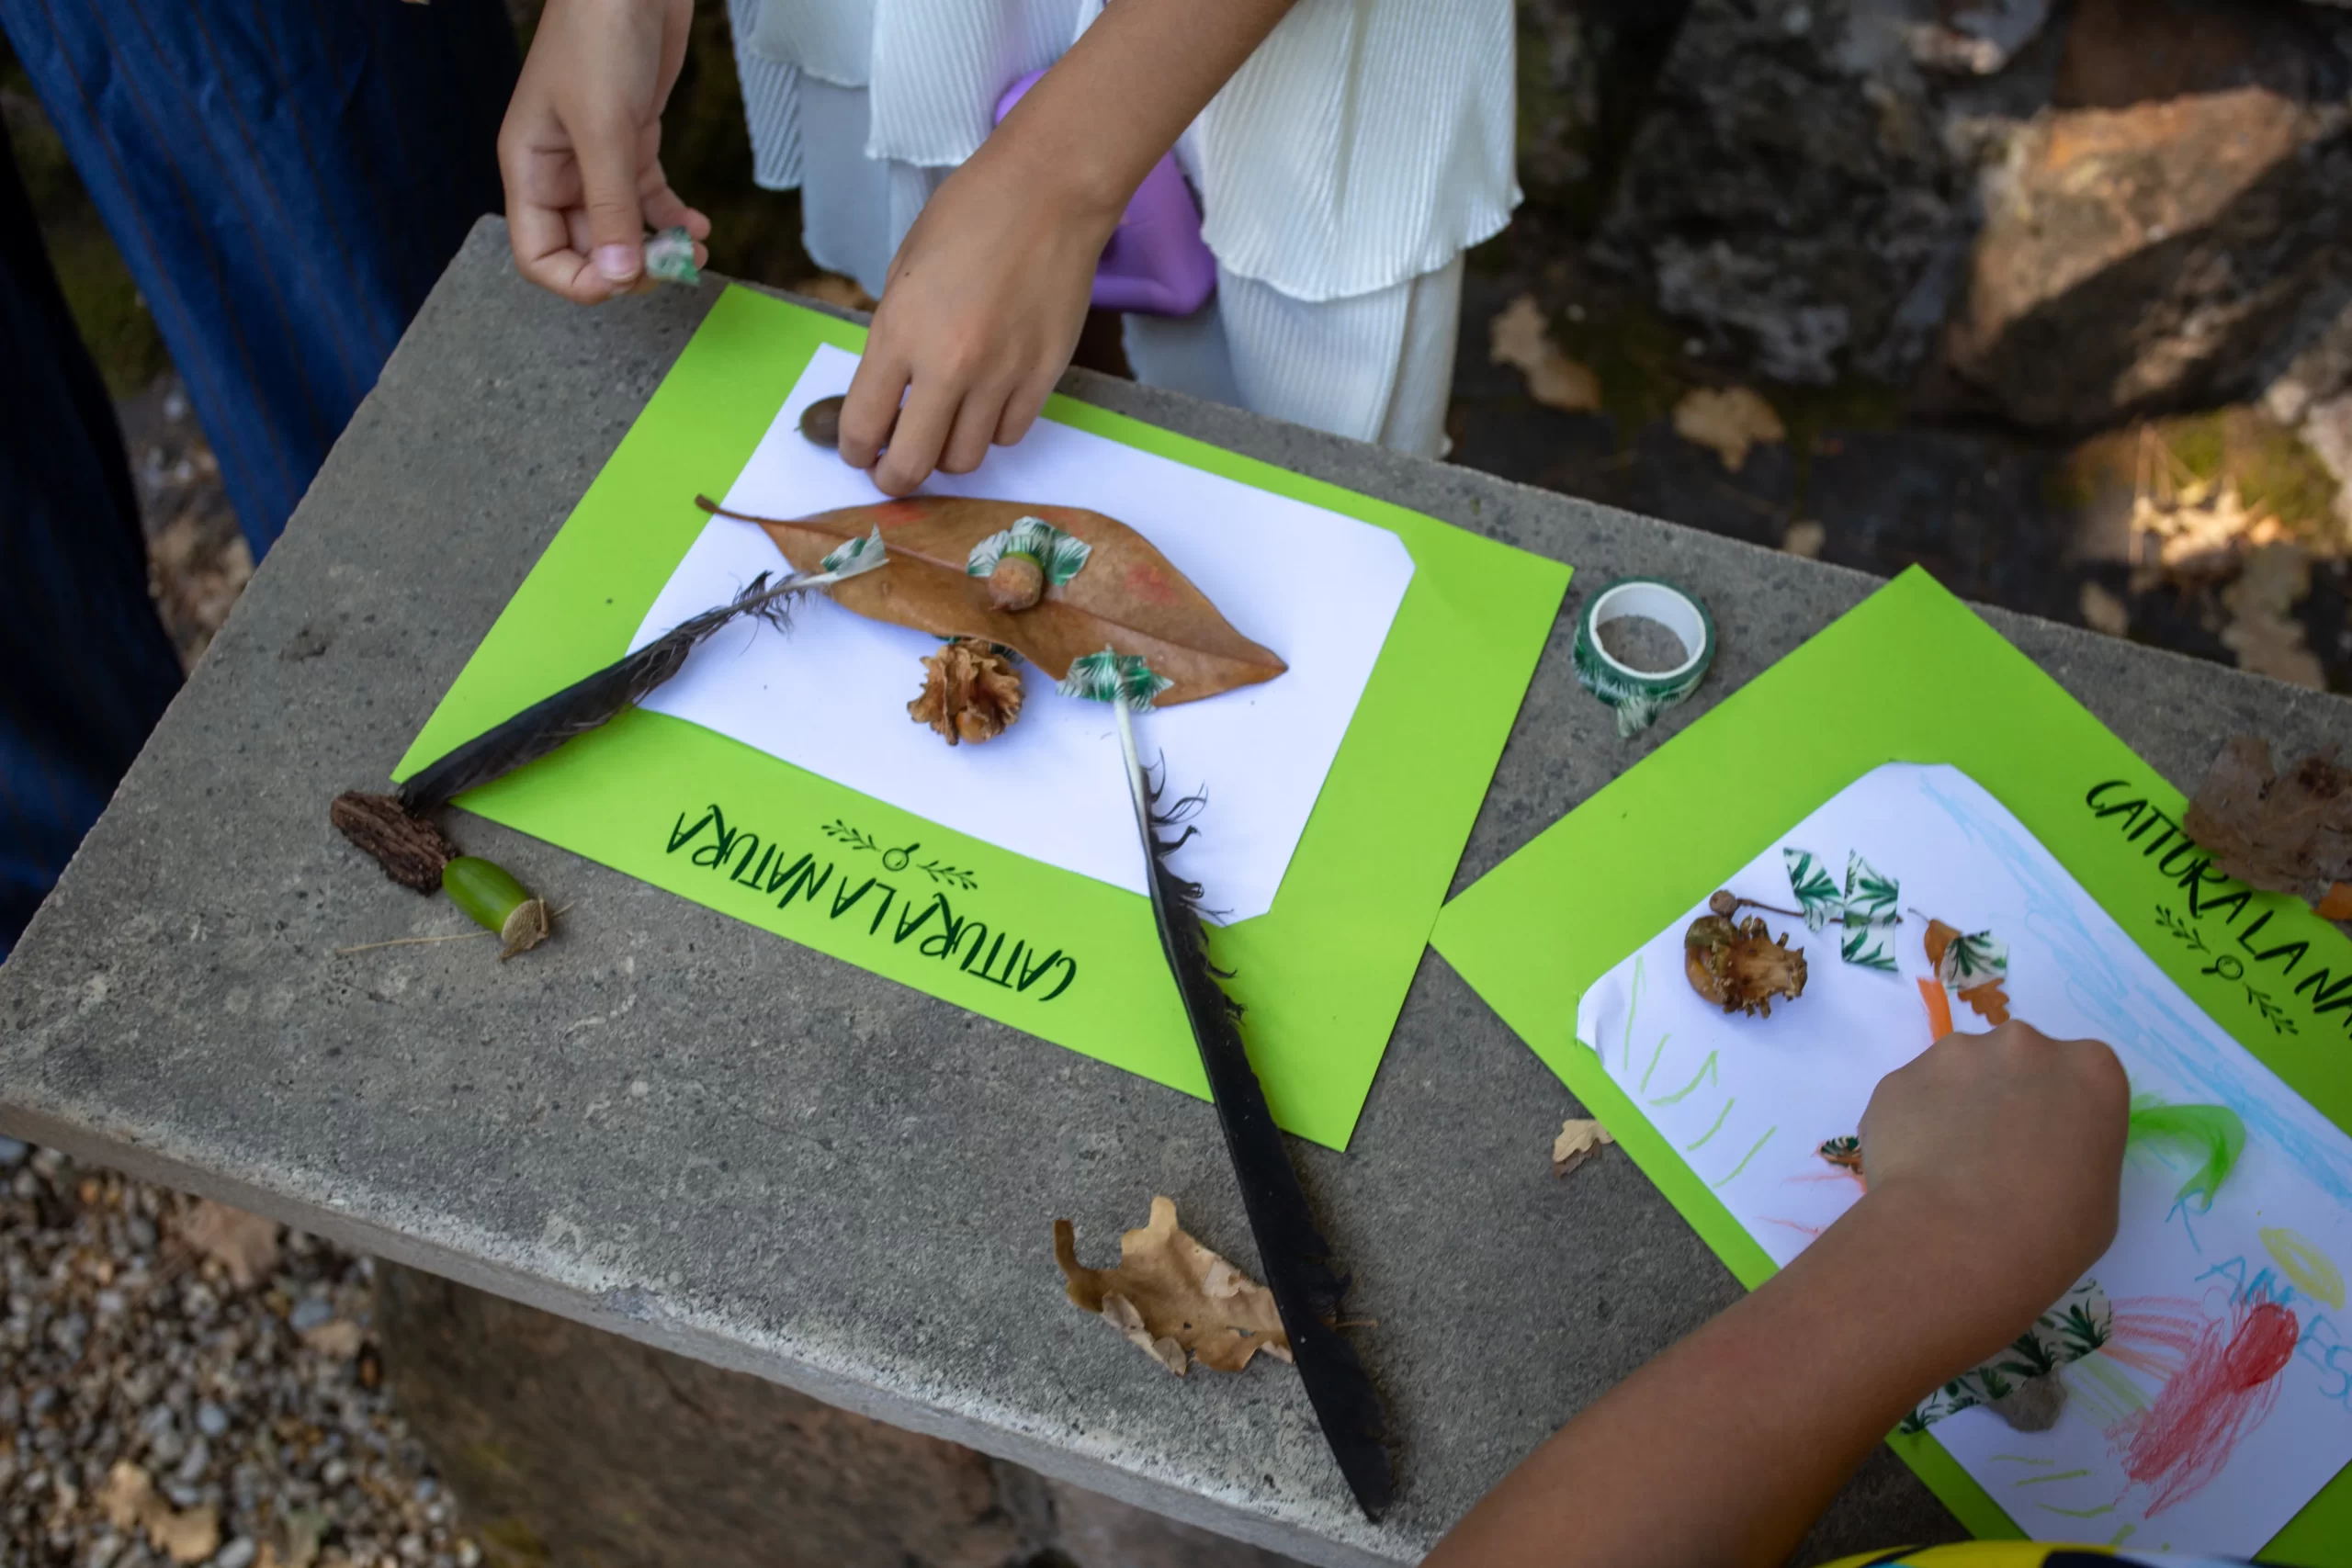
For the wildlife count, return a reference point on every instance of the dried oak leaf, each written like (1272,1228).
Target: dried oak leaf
(2287,832)
(1741,966)
(245,1245)
(1173,1297)
(970,692)
(411,850)
(1129,596)
(1989,1000)
(1580,1138)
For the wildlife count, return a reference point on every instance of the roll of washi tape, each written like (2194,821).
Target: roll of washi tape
(1640,696)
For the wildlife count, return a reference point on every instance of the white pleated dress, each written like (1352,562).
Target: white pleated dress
(1342,171)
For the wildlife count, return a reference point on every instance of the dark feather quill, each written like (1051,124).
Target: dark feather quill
(585,704)
(1290,1250)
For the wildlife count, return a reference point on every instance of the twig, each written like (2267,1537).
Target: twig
(1738,903)
(553,915)
(411,942)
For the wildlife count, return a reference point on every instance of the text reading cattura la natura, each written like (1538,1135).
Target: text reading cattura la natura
(2276,958)
(923,917)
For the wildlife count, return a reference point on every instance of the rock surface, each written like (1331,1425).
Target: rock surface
(2158,237)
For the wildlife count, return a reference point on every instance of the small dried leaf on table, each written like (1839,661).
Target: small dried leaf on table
(2287,832)
(1579,1139)
(1129,596)
(1171,1296)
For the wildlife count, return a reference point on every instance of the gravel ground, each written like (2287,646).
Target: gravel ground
(182,1383)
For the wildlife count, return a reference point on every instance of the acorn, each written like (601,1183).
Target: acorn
(821,422)
(489,893)
(1017,580)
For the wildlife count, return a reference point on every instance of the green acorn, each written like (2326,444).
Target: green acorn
(489,893)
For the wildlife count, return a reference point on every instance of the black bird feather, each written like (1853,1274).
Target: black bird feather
(585,704)
(1290,1250)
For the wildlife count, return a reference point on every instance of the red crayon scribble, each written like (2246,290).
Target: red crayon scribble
(2225,1387)
(1798,1225)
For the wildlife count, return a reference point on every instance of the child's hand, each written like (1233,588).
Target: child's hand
(978,319)
(2002,1154)
(580,150)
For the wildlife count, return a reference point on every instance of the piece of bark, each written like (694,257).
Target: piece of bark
(412,851)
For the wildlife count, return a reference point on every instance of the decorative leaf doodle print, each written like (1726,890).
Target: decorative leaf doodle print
(1870,899)
(1816,895)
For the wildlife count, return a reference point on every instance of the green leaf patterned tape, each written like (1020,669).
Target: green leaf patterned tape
(1640,696)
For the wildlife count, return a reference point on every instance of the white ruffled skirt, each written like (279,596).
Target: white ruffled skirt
(1342,172)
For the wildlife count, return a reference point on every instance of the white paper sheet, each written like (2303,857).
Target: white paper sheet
(831,694)
(1747,1102)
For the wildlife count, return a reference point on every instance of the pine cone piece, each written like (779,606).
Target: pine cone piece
(411,850)
(970,692)
(1740,966)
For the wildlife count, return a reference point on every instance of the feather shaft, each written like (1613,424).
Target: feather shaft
(1292,1252)
(598,698)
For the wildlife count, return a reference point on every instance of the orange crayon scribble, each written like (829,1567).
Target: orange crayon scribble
(1931,992)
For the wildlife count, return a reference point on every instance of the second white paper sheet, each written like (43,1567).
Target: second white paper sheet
(2157,1447)
(831,694)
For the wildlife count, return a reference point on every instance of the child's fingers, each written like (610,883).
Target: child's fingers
(871,408)
(923,429)
(1022,408)
(976,425)
(606,148)
(664,209)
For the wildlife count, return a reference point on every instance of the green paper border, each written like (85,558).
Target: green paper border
(1909,675)
(1322,974)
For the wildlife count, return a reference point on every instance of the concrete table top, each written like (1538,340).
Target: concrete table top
(677,1127)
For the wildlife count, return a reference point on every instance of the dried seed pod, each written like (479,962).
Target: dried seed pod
(412,851)
(1016,581)
(1741,967)
(972,692)
(821,422)
(488,893)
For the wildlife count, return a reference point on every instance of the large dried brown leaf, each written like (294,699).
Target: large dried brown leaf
(2287,832)
(1129,596)
(1173,1296)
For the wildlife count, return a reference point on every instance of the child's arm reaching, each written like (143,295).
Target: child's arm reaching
(1993,1163)
(986,296)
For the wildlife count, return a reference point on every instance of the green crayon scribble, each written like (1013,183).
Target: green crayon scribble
(1706,1075)
(1750,1155)
(1720,1116)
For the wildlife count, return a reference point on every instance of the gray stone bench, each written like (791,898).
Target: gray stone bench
(680,1129)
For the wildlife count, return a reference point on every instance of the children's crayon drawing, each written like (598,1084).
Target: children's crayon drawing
(2206,1363)
(830,694)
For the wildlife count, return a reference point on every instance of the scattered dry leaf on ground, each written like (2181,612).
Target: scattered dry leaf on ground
(1173,1296)
(1727,422)
(1580,1138)
(2263,630)
(244,1244)
(2104,611)
(834,290)
(2287,832)
(339,1337)
(131,1506)
(1520,337)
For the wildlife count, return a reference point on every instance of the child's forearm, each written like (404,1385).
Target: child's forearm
(1098,121)
(1723,1449)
